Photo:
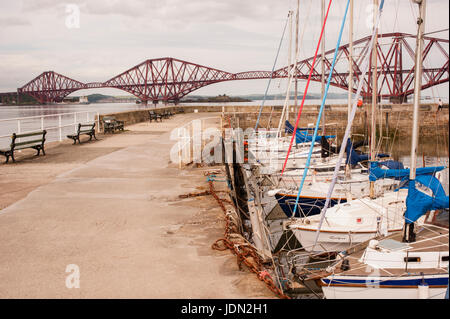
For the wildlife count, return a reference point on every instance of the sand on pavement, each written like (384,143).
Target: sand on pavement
(111,208)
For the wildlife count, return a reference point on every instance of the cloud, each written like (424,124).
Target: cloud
(231,35)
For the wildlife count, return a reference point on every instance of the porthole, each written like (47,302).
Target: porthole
(412,259)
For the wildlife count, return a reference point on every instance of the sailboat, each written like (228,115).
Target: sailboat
(409,264)
(312,200)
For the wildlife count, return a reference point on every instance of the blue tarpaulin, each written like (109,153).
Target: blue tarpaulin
(418,203)
(354,158)
(376,172)
(301,136)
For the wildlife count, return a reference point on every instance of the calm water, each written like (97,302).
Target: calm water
(50,122)
(70,122)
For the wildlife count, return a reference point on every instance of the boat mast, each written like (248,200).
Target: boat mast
(374,97)
(350,77)
(289,64)
(296,55)
(323,65)
(417,88)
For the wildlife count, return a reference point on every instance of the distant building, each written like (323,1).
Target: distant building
(84,100)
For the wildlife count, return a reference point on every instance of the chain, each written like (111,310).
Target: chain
(244,252)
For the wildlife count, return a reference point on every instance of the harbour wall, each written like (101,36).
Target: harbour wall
(394,119)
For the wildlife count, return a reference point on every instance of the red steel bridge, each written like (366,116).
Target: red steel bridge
(169,79)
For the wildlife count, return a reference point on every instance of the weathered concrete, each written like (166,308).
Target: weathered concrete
(118,217)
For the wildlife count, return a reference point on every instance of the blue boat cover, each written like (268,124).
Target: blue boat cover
(301,136)
(392,164)
(376,172)
(354,158)
(418,203)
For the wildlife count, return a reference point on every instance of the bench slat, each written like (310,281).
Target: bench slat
(25,147)
(29,134)
(29,142)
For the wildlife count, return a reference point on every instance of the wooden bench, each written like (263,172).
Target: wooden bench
(87,129)
(110,124)
(167,114)
(154,116)
(37,144)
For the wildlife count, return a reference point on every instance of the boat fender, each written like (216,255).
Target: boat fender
(373,244)
(314,179)
(349,196)
(423,291)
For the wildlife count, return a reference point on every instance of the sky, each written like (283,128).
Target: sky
(112,36)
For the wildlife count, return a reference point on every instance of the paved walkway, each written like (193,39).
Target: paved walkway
(118,218)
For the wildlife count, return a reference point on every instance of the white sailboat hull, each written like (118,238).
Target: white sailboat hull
(332,241)
(380,293)
(382,287)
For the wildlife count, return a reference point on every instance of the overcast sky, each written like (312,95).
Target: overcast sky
(231,35)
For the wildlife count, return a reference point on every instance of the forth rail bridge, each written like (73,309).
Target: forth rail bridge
(169,79)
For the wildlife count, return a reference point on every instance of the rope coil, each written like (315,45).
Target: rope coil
(244,252)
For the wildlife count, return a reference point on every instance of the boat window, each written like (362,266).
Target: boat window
(444,258)
(442,218)
(412,259)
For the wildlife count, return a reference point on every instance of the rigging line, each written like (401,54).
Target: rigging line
(271,75)
(349,124)
(304,28)
(308,161)
(306,89)
(436,31)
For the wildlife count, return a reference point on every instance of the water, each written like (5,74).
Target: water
(7,112)
(51,121)
(70,122)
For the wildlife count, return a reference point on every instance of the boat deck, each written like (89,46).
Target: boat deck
(428,238)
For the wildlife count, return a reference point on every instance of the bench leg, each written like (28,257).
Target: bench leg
(43,151)
(12,157)
(95,136)
(7,157)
